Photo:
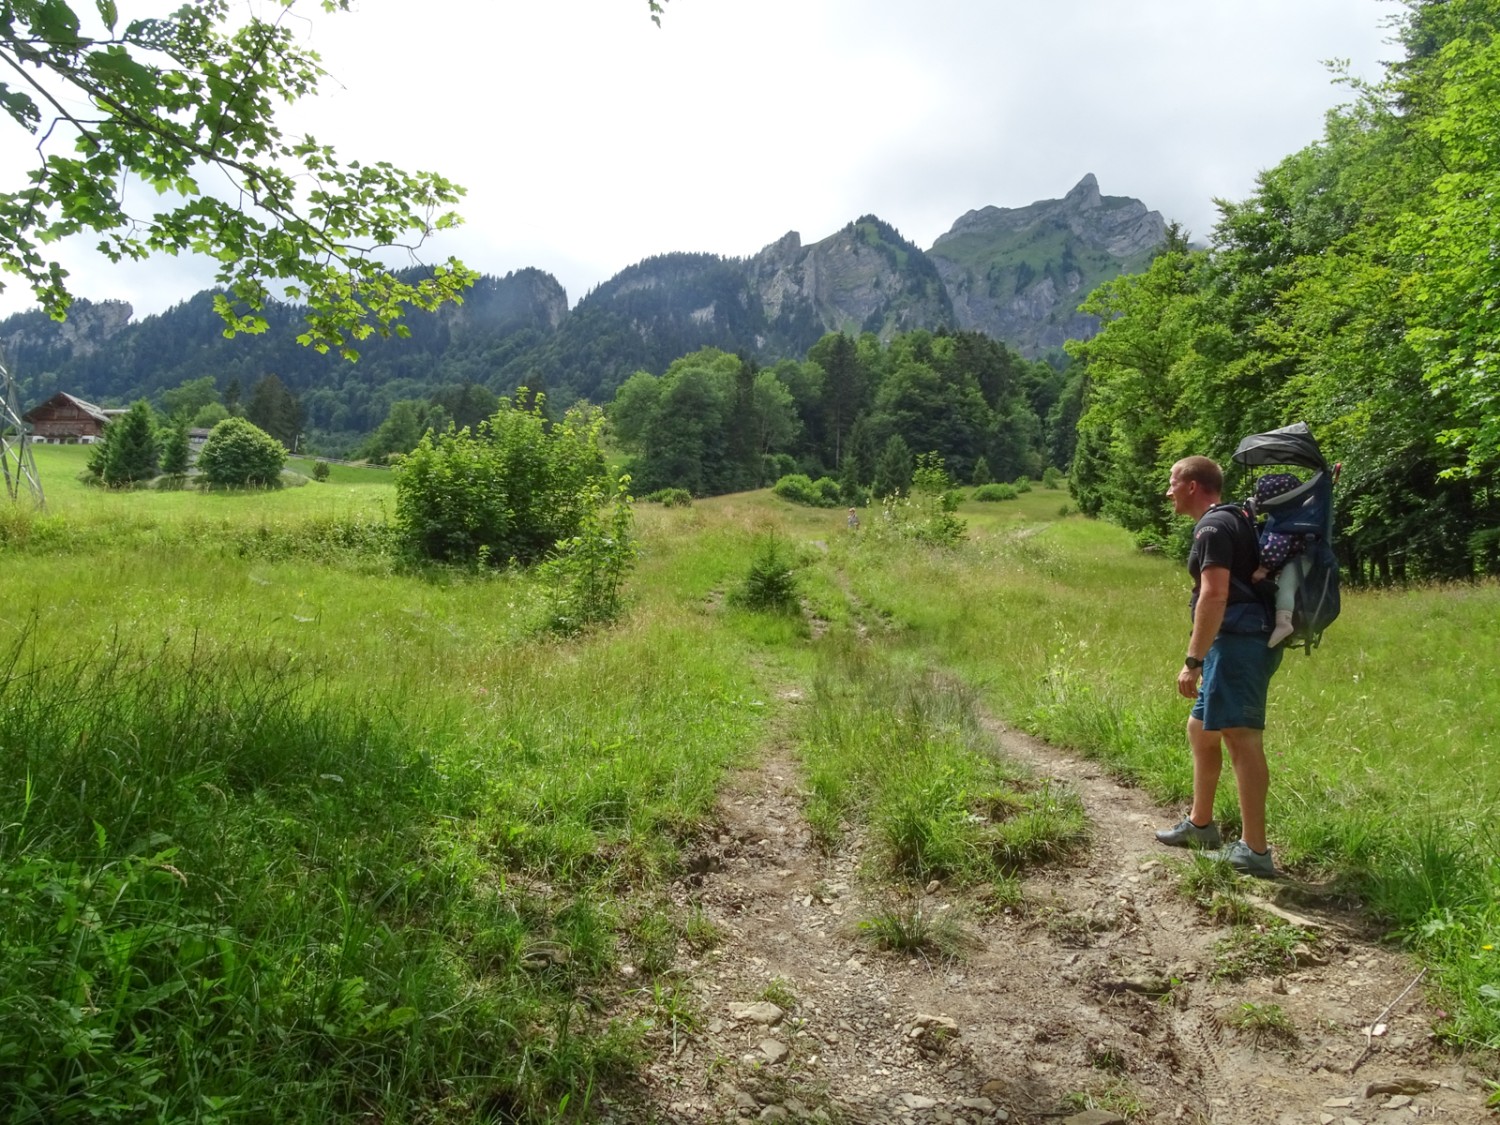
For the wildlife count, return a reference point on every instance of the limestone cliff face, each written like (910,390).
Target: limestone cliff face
(777,304)
(90,326)
(527,298)
(1019,273)
(864,278)
(1119,225)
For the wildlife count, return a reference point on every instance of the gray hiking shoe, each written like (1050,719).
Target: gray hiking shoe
(1186,834)
(1239,856)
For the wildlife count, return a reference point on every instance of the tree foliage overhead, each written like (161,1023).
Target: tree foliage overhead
(186,105)
(1453,226)
(1355,290)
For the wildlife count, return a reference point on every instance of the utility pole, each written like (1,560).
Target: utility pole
(16,462)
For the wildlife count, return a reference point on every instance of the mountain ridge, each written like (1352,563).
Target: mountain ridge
(1015,274)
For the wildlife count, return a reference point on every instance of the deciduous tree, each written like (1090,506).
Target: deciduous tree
(189,397)
(1455,229)
(181,104)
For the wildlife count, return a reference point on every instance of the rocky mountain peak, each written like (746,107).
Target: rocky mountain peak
(1085,194)
(789,243)
(1018,274)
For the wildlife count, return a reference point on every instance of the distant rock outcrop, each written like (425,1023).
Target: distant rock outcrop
(864,278)
(1019,273)
(90,326)
(1015,274)
(528,298)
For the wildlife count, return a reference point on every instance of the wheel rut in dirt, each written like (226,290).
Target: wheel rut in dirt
(1096,1000)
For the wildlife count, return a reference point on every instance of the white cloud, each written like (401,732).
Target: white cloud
(589,139)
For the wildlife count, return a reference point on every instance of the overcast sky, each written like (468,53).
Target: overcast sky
(588,138)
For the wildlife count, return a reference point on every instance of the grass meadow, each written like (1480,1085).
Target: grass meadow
(291,830)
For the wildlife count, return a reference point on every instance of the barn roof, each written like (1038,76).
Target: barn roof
(62,398)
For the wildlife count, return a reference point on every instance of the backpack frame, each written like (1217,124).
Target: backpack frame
(1306,510)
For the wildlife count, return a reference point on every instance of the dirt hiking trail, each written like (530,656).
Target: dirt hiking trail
(1095,1001)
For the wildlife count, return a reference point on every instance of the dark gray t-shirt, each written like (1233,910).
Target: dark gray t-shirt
(1226,537)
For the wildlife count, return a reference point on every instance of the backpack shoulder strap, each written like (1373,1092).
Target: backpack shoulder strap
(1246,590)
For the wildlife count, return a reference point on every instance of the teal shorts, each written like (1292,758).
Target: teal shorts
(1236,676)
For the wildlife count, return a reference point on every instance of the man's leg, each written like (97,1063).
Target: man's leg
(1208,763)
(1247,756)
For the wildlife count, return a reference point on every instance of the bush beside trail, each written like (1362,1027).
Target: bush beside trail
(802,489)
(509,492)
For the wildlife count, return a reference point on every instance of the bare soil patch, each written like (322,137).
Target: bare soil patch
(1097,1000)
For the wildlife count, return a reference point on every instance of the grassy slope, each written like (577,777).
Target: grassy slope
(1381,743)
(987,255)
(541,789)
(417,831)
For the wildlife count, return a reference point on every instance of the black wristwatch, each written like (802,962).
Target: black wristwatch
(1192,662)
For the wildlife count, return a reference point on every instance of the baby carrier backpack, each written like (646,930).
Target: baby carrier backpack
(1306,510)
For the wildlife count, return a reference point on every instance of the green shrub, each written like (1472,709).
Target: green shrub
(1052,477)
(799,488)
(774,466)
(931,475)
(127,451)
(177,452)
(671,498)
(923,517)
(771,584)
(993,492)
(321,470)
(1023,484)
(941,528)
(586,572)
(239,453)
(1149,539)
(513,491)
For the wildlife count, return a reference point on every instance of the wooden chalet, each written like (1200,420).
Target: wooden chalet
(63,419)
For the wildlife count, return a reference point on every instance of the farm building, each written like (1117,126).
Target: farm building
(64,419)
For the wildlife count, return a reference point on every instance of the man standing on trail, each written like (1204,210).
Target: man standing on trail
(1228,651)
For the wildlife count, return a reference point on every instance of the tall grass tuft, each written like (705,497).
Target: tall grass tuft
(903,752)
(233,887)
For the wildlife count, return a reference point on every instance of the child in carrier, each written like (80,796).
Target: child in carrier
(1282,555)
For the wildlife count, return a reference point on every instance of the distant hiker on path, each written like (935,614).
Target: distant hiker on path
(1228,651)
